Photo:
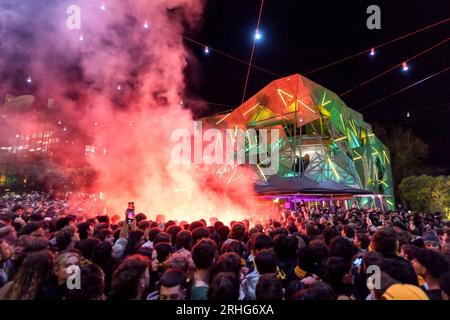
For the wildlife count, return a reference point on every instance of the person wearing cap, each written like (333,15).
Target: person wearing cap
(432,242)
(430,265)
(391,289)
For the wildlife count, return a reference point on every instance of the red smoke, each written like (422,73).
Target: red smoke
(130,127)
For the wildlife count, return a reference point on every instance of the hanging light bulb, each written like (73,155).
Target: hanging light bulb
(29,79)
(146,25)
(103,6)
(81,37)
(405,66)
(408,114)
(206,50)
(372,51)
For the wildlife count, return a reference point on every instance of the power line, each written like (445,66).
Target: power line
(253,51)
(421,117)
(405,88)
(392,68)
(376,47)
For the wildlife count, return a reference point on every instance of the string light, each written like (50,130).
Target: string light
(181,102)
(81,37)
(257,34)
(17,136)
(206,50)
(64,129)
(95,124)
(59,122)
(372,51)
(405,66)
(119,87)
(408,114)
(103,6)
(29,79)
(146,25)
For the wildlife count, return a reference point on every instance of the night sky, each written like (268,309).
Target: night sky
(299,36)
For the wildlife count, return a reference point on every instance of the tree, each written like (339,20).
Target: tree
(427,194)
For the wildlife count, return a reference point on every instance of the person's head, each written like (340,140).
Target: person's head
(144,226)
(362,241)
(407,251)
(432,242)
(92,284)
(319,291)
(224,232)
(329,233)
(200,233)
(238,231)
(162,237)
(135,241)
(32,228)
(63,263)
(336,272)
(33,272)
(232,245)
(173,230)
(105,235)
(161,252)
(342,247)
(67,221)
(8,234)
(203,254)
(348,232)
(266,261)
(269,288)
(140,217)
(85,230)
(102,254)
(153,232)
(131,278)
(5,251)
(400,270)
(309,258)
(224,286)
(173,285)
(429,264)
(228,262)
(64,238)
(184,240)
(444,284)
(385,242)
(261,241)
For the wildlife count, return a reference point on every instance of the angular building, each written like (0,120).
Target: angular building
(326,149)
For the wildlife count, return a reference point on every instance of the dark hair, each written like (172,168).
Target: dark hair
(127,276)
(409,250)
(86,247)
(172,278)
(400,270)
(232,245)
(320,291)
(224,287)
(173,230)
(261,241)
(153,233)
(162,237)
(184,240)
(342,247)
(142,225)
(103,219)
(238,231)
(309,258)
(30,227)
(35,270)
(364,240)
(103,233)
(64,238)
(266,261)
(163,250)
(195,224)
(223,232)
(102,254)
(349,231)
(329,233)
(228,262)
(434,262)
(34,244)
(334,269)
(286,246)
(269,288)
(63,222)
(92,284)
(83,230)
(134,237)
(199,233)
(384,241)
(203,254)
(140,217)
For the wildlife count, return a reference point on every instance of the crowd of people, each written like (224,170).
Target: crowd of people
(48,251)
